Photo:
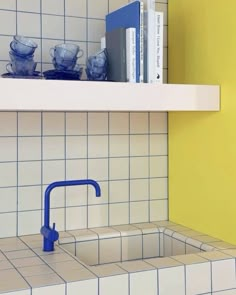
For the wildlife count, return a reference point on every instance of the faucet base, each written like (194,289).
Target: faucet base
(48,245)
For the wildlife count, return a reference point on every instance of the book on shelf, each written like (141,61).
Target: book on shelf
(131,54)
(159,26)
(130,16)
(116,53)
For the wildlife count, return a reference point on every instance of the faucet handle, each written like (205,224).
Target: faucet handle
(53,225)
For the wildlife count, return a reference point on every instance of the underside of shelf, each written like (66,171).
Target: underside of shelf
(54,95)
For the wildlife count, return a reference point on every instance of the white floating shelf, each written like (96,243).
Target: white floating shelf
(57,95)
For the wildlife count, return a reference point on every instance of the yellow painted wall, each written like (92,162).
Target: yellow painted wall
(202,145)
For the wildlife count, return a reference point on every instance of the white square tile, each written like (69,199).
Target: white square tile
(118,145)
(139,145)
(53,123)
(139,189)
(97,123)
(8,219)
(151,245)
(118,168)
(29,148)
(76,195)
(8,4)
(75,8)
(158,122)
(29,198)
(158,210)
(171,280)
(53,7)
(158,144)
(98,169)
(29,222)
(97,146)
(144,282)
(93,199)
(139,212)
(57,197)
(8,149)
(7,17)
(83,287)
(8,123)
(76,218)
(119,123)
(76,169)
(138,123)
(115,4)
(198,278)
(76,123)
(139,167)
(223,275)
(8,172)
(8,199)
(158,166)
(114,285)
(28,5)
(167,245)
(4,49)
(118,213)
(119,191)
(158,188)
(58,289)
(178,247)
(29,124)
(53,148)
(97,215)
(109,250)
(53,171)
(228,292)
(49,23)
(23,27)
(96,29)
(58,216)
(76,147)
(29,173)
(87,252)
(75,28)
(22,292)
(97,11)
(131,248)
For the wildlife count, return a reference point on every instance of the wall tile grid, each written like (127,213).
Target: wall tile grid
(125,152)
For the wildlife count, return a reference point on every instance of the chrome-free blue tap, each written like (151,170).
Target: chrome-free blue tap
(50,235)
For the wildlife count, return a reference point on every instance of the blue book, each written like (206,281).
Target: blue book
(127,16)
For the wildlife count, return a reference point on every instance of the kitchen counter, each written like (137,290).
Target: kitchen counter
(27,270)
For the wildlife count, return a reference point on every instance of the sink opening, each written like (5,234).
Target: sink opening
(115,247)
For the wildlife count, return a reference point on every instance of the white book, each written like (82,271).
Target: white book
(149,43)
(131,54)
(141,78)
(159,47)
(103,42)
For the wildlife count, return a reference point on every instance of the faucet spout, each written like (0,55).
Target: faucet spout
(50,234)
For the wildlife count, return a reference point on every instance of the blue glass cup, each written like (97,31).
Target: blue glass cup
(23,46)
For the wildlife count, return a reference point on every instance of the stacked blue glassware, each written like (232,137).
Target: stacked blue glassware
(64,59)
(22,57)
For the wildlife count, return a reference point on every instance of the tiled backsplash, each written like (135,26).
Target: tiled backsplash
(125,152)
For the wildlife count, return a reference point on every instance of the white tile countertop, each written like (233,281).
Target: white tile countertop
(26,270)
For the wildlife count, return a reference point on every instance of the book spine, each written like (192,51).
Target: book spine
(159,47)
(141,73)
(131,54)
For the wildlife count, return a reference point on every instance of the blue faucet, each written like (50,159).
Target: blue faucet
(50,235)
